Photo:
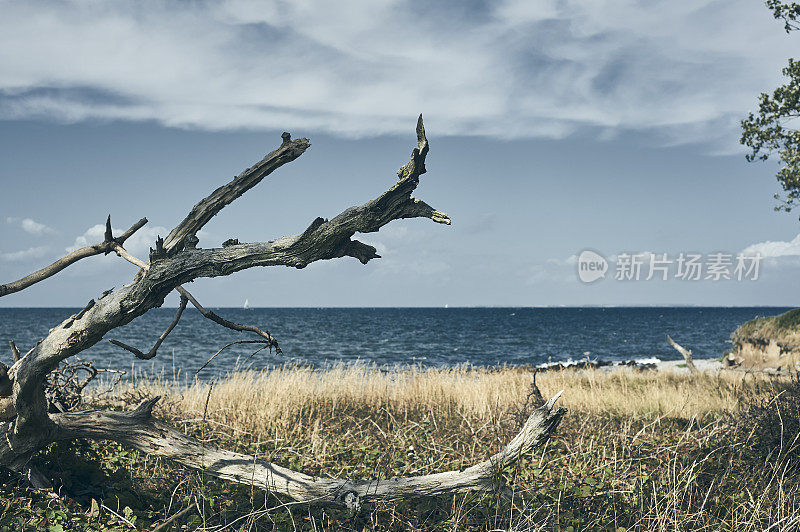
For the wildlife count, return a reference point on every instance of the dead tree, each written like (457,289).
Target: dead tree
(687,355)
(29,424)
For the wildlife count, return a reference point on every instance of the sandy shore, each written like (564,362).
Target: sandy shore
(708,365)
(712,365)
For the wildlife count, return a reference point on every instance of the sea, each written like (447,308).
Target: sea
(389,337)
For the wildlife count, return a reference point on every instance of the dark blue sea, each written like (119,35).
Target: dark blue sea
(392,336)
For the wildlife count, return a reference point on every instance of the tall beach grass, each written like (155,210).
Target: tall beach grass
(253,400)
(637,450)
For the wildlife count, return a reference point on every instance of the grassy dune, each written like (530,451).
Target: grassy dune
(637,450)
(782,329)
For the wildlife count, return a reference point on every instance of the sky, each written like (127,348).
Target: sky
(555,127)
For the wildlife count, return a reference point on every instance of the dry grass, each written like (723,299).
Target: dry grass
(253,401)
(636,451)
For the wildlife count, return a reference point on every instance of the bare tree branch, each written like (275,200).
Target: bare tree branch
(209,206)
(103,247)
(269,340)
(165,524)
(226,346)
(150,354)
(122,252)
(323,239)
(64,386)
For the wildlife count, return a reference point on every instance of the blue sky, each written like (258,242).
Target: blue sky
(554,127)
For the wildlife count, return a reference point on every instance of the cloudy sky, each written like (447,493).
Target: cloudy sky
(555,127)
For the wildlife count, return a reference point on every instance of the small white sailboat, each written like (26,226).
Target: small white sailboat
(446,305)
(246,305)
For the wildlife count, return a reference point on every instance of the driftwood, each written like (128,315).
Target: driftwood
(687,354)
(140,430)
(30,424)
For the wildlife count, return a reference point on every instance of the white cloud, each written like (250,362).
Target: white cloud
(417,266)
(480,223)
(774,249)
(565,270)
(25,254)
(640,257)
(548,273)
(30,226)
(571,261)
(686,70)
(404,250)
(552,270)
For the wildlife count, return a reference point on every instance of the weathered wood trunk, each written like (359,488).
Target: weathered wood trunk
(27,425)
(686,353)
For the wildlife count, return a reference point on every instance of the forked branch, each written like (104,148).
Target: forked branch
(152,353)
(170,267)
(323,239)
(268,339)
(209,206)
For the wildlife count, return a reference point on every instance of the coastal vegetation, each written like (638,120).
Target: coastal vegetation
(769,342)
(784,328)
(636,450)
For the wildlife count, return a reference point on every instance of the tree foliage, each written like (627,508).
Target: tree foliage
(789,12)
(771,130)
